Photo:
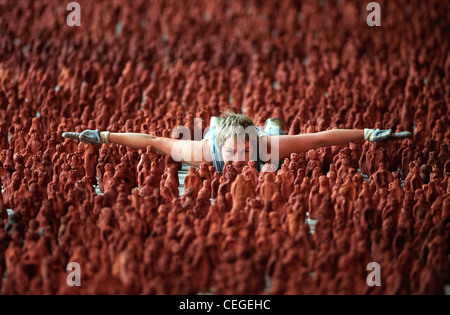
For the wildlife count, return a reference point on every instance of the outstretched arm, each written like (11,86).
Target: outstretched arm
(192,152)
(141,141)
(187,151)
(305,142)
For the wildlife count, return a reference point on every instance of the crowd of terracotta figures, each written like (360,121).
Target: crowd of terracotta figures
(148,66)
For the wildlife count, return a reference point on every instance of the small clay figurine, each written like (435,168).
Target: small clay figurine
(381,177)
(193,180)
(268,188)
(203,172)
(240,190)
(172,181)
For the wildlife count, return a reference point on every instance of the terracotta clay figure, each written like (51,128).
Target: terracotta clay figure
(229,169)
(326,158)
(355,152)
(268,188)
(433,160)
(252,172)
(240,190)
(396,191)
(429,146)
(108,176)
(344,167)
(313,162)
(215,184)
(374,157)
(172,182)
(193,180)
(287,183)
(143,173)
(90,160)
(381,177)
(225,184)
(414,180)
(205,191)
(203,172)
(420,134)
(436,173)
(407,155)
(362,162)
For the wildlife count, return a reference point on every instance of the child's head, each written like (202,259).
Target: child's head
(236,138)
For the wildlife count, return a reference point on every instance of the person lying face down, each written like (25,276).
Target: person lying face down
(234,137)
(237,151)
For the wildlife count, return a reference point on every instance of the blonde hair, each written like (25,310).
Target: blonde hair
(228,127)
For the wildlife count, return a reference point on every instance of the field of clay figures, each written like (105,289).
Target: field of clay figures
(138,222)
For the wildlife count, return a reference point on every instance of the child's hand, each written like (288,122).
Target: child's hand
(88,136)
(378,135)
(401,135)
(71,135)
